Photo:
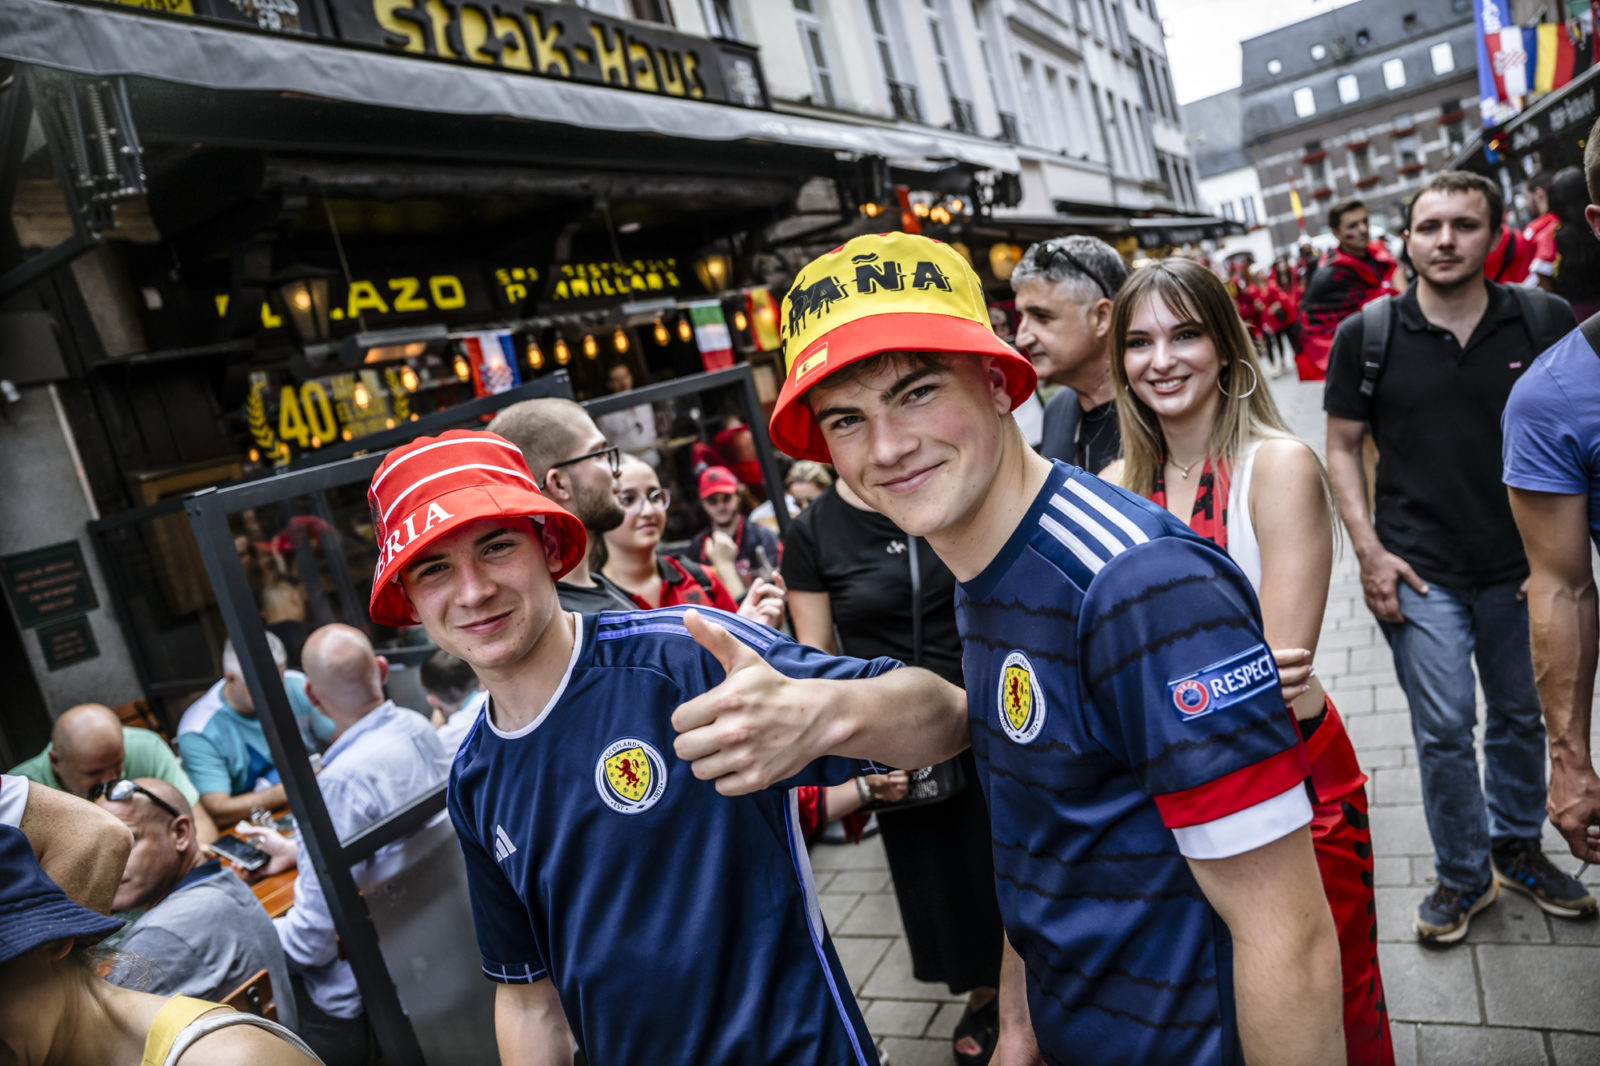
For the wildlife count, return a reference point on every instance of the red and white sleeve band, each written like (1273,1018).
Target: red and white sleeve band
(13,799)
(1254,827)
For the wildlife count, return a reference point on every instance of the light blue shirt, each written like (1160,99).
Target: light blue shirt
(1551,426)
(225,751)
(377,766)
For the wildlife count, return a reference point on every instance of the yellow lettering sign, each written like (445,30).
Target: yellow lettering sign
(291,424)
(447,292)
(364,297)
(642,67)
(405,290)
(610,54)
(548,56)
(408,29)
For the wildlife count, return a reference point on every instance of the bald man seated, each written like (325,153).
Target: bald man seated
(202,933)
(90,746)
(382,757)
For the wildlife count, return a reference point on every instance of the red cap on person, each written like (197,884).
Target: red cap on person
(715,479)
(435,485)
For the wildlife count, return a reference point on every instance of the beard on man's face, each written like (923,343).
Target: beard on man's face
(596,506)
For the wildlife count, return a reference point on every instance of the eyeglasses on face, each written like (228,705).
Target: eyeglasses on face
(1045,255)
(123,789)
(632,499)
(612,453)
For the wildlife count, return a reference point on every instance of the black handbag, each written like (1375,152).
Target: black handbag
(929,784)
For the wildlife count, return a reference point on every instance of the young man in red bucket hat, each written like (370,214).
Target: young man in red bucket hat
(1146,785)
(617,887)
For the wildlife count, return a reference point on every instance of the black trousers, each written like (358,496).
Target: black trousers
(337,1041)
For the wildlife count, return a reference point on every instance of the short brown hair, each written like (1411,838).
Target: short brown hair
(1464,181)
(1341,209)
(546,429)
(1591,162)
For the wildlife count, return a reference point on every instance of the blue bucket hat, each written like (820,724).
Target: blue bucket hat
(33,909)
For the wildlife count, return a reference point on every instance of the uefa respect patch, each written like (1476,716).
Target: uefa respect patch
(631,776)
(1222,684)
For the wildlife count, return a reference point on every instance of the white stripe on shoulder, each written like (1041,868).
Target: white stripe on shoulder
(1090,524)
(1112,515)
(1086,555)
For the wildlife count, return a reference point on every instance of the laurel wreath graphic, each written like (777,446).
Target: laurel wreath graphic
(261,430)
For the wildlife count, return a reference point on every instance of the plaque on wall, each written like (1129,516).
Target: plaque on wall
(65,643)
(47,584)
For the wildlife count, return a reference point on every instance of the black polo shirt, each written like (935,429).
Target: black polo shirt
(1435,416)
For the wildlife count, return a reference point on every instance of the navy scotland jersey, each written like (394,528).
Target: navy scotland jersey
(1125,713)
(678,925)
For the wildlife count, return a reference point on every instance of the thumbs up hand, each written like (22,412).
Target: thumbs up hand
(756,728)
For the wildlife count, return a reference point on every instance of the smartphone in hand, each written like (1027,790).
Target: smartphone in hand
(236,851)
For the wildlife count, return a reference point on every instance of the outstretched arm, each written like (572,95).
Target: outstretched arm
(1286,979)
(1563,629)
(759,727)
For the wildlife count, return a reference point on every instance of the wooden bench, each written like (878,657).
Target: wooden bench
(254,997)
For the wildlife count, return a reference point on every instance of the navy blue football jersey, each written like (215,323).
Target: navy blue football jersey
(678,925)
(1125,713)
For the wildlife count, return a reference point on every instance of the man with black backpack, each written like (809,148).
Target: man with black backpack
(1552,468)
(1442,566)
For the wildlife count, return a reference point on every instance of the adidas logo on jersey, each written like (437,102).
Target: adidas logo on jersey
(896,547)
(502,845)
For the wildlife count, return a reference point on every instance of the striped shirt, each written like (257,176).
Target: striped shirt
(1125,715)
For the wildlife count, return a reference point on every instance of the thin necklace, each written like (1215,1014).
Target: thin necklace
(1183,471)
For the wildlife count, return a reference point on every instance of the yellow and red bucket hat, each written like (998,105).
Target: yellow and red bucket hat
(884,292)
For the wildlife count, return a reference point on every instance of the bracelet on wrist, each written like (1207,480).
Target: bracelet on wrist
(863,791)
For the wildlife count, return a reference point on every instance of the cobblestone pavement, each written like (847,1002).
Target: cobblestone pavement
(1522,990)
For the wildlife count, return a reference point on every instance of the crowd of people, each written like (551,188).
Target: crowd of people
(1127,815)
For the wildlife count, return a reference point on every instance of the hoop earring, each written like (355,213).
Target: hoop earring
(1255,380)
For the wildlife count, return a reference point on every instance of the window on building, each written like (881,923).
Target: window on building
(1319,52)
(720,19)
(1274,66)
(1394,73)
(1164,172)
(1443,56)
(1172,94)
(816,49)
(651,11)
(1119,146)
(1139,133)
(1034,113)
(1305,104)
(1061,132)
(1082,143)
(1361,161)
(880,36)
(1227,211)
(1349,91)
(941,50)
(1144,77)
(980,19)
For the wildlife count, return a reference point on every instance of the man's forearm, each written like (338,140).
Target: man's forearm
(530,1027)
(1563,629)
(1349,481)
(225,809)
(907,717)
(1289,994)
(1015,1021)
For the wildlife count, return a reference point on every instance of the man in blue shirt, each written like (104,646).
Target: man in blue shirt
(1552,470)
(1146,783)
(224,748)
(620,896)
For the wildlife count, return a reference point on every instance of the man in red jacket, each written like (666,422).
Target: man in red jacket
(1355,273)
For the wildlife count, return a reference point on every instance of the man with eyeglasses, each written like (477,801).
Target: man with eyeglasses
(577,468)
(202,933)
(1064,289)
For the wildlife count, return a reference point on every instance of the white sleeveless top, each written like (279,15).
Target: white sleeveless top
(1243,546)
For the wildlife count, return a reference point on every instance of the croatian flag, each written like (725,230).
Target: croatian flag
(1491,18)
(1513,56)
(493,361)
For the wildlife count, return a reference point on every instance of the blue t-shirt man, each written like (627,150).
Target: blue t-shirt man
(711,944)
(1126,716)
(1551,425)
(225,751)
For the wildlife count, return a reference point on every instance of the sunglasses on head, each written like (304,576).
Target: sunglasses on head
(123,789)
(1045,255)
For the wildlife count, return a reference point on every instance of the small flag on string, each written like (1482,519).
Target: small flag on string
(493,361)
(763,312)
(711,334)
(1555,58)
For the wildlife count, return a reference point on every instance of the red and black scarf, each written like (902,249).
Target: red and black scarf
(1210,516)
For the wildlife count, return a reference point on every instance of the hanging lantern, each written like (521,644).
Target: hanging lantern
(1003,259)
(408,378)
(740,322)
(662,336)
(535,356)
(920,210)
(346,435)
(255,456)
(361,396)
(463,368)
(871,210)
(957,206)
(563,353)
(619,340)
(590,348)
(388,423)
(685,331)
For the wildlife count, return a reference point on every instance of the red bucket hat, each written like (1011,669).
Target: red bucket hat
(885,292)
(435,485)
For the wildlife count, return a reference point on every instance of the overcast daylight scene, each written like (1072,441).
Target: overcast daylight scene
(799,532)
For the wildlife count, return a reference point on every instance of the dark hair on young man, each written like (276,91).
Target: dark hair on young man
(1337,212)
(448,678)
(1591,162)
(1463,181)
(1541,180)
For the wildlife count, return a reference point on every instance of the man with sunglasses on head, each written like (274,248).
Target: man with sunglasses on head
(577,468)
(202,933)
(1064,291)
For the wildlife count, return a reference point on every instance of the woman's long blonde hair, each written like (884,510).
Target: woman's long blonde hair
(1246,410)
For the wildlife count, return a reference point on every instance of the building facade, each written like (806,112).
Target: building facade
(1365,100)
(1229,185)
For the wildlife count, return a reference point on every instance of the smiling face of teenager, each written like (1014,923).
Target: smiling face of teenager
(1171,362)
(917,437)
(645,519)
(484,591)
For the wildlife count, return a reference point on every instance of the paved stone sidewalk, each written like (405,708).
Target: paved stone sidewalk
(1522,990)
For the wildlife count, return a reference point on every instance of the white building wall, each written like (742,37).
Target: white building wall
(1224,195)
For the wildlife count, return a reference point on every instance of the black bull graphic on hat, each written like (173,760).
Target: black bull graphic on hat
(818,297)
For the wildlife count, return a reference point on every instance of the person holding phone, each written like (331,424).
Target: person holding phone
(740,551)
(202,932)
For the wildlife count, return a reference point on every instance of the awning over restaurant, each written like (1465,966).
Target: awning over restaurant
(1153,230)
(101,41)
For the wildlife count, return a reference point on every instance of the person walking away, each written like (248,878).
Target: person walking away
(1356,272)
(1552,470)
(853,573)
(1442,567)
(1540,233)
(1281,315)
(1203,438)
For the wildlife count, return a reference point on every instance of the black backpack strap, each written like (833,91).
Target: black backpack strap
(1591,331)
(1536,317)
(1376,319)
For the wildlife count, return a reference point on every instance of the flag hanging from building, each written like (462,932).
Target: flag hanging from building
(493,361)
(1512,57)
(711,334)
(1491,18)
(1556,57)
(1295,205)
(763,311)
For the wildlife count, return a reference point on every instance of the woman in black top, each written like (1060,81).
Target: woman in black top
(849,567)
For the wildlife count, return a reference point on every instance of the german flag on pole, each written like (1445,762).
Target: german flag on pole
(1555,57)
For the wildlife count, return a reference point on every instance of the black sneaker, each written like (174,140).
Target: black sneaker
(1443,917)
(1522,867)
